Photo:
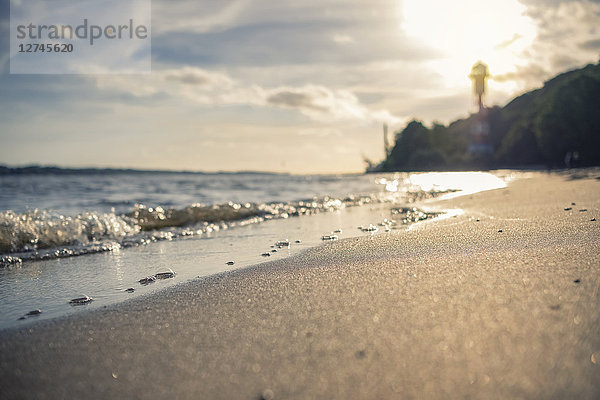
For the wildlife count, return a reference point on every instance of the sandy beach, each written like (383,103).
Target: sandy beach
(500,302)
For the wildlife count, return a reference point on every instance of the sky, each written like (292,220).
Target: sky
(288,85)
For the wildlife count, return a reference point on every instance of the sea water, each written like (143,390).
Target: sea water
(97,233)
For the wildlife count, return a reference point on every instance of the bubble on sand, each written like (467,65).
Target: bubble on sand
(31,314)
(81,300)
(283,243)
(370,228)
(267,394)
(166,273)
(485,379)
(147,280)
(595,358)
(360,354)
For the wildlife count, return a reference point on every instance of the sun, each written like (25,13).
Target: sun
(460,32)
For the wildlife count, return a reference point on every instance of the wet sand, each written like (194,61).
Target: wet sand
(504,307)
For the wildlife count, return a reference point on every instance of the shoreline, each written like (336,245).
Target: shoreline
(109,274)
(452,308)
(110,277)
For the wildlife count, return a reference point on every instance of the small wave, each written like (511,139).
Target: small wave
(36,230)
(40,234)
(155,218)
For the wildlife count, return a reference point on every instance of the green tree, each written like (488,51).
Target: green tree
(409,146)
(540,126)
(570,122)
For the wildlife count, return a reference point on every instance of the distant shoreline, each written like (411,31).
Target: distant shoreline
(55,170)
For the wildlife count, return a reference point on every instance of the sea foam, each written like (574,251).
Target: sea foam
(40,234)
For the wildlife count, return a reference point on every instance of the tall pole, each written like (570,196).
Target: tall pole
(386,143)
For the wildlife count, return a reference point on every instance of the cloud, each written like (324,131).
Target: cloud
(343,39)
(199,77)
(567,38)
(244,73)
(285,45)
(508,42)
(284,32)
(4,36)
(319,103)
(323,104)
(191,16)
(529,73)
(554,3)
(197,17)
(561,24)
(592,44)
(300,98)
(211,88)
(320,132)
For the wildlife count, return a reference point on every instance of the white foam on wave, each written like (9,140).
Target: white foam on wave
(37,235)
(36,230)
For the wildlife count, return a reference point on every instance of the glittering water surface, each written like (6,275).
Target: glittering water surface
(133,225)
(57,216)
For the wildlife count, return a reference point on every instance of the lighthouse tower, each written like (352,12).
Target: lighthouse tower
(479,75)
(480,143)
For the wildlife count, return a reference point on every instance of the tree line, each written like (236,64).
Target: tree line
(555,126)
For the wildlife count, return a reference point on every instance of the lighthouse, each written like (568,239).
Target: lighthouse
(480,143)
(479,75)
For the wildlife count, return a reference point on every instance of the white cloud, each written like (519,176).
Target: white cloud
(343,39)
(210,88)
(197,17)
(199,78)
(320,132)
(240,75)
(507,43)
(319,102)
(567,34)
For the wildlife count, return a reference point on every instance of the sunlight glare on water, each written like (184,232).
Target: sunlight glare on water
(463,182)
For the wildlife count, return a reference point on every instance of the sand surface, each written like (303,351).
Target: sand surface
(449,309)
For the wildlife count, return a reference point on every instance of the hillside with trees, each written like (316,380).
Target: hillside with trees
(555,126)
